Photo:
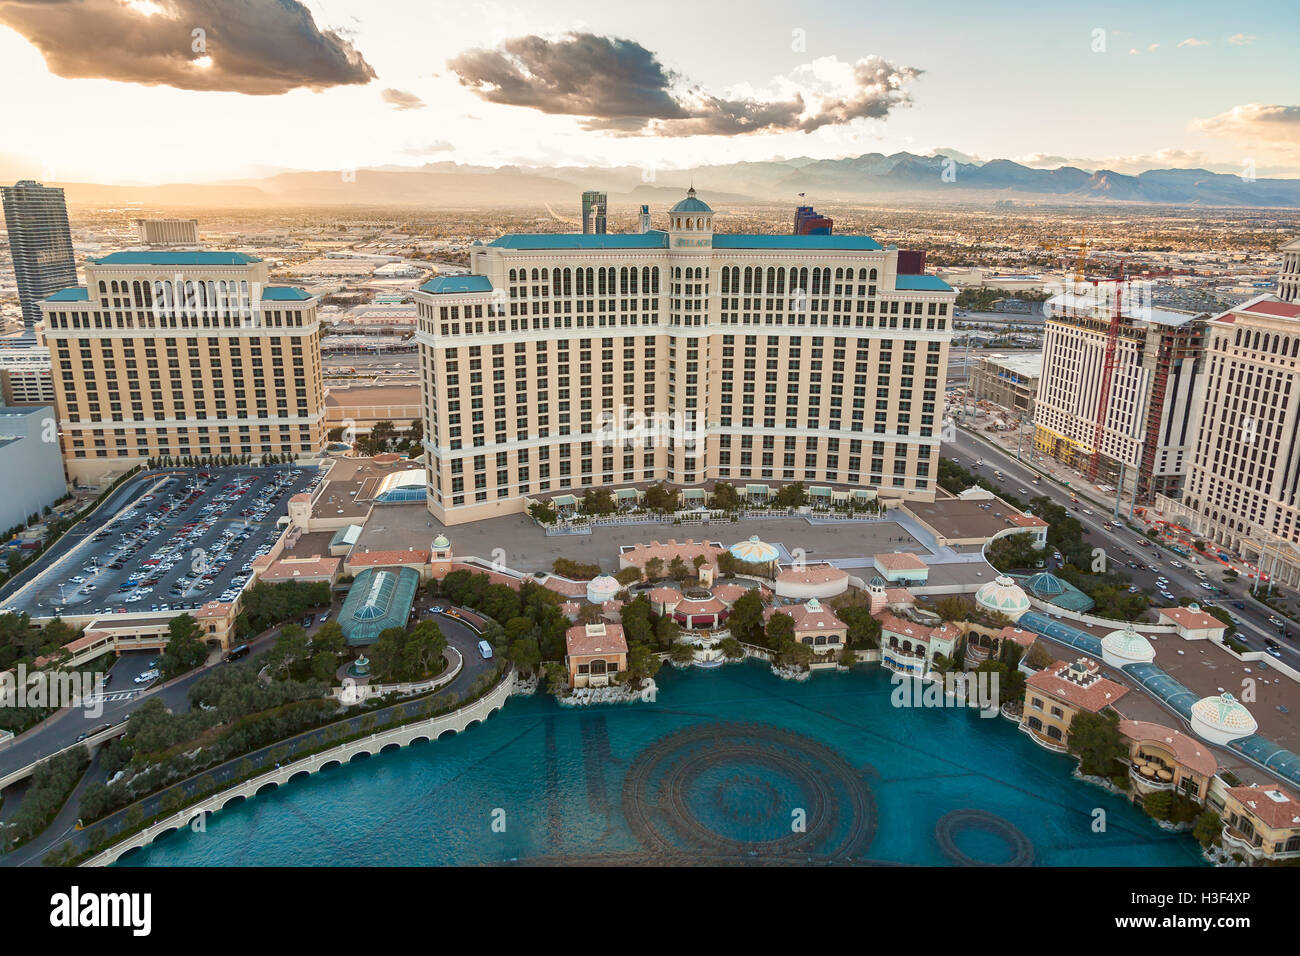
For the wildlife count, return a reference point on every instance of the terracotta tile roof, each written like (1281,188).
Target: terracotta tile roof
(806,619)
(374,559)
(899,596)
(730,593)
(1272,806)
(1097,694)
(662,594)
(1287,310)
(588,639)
(900,561)
(1190,753)
(687,550)
(896,625)
(1026,521)
(1192,620)
(286,569)
(1023,638)
(812,574)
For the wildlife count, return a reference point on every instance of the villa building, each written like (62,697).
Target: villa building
(594,653)
(182,354)
(909,647)
(569,362)
(1161,758)
(1262,822)
(816,625)
(1056,693)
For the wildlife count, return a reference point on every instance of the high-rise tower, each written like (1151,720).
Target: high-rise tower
(40,243)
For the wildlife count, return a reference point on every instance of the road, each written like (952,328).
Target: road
(459,635)
(1252,626)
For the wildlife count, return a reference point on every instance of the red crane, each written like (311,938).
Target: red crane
(1107,373)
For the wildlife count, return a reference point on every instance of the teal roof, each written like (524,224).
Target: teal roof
(751,241)
(691,204)
(77,293)
(284,293)
(1045,583)
(653,239)
(449,284)
(657,239)
(1055,591)
(176,259)
(379,598)
(922,284)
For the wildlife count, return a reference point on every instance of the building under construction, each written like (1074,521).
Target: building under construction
(1116,397)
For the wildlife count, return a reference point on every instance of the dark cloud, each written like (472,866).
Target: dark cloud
(402,100)
(259,47)
(620,86)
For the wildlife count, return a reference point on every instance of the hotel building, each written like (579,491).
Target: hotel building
(182,354)
(40,243)
(1243,489)
(1149,422)
(568,362)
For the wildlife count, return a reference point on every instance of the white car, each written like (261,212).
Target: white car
(147,676)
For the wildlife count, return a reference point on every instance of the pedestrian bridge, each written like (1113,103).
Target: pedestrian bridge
(427,730)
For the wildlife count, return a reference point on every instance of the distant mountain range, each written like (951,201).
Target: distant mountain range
(870,177)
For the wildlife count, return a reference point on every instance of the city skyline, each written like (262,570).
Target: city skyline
(562,83)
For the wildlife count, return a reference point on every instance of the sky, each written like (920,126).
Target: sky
(157,91)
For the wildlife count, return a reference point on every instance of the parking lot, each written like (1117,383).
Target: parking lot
(189,539)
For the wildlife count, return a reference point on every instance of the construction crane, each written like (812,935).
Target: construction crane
(1107,373)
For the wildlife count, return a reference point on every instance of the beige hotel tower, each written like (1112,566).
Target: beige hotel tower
(182,354)
(568,362)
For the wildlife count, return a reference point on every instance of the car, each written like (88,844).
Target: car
(1239,605)
(1208,586)
(324,617)
(1177,564)
(1274,651)
(1132,589)
(1087,512)
(485,650)
(1275,621)
(147,676)
(1024,491)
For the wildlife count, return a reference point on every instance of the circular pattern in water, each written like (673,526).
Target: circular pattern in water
(946,830)
(748,792)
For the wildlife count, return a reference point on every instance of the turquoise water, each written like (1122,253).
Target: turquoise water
(644,781)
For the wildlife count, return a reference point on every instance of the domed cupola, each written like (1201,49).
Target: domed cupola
(691,220)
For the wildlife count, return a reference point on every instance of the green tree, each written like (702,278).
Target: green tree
(1095,739)
(185,650)
(725,497)
(524,654)
(746,620)
(1208,829)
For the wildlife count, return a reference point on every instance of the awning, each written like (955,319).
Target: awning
(821,491)
(625,493)
(564,500)
(756,489)
(693,493)
(861,493)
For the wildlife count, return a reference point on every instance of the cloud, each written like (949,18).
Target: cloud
(1192,41)
(1133,164)
(428,149)
(1272,127)
(1240,39)
(402,100)
(618,85)
(257,47)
